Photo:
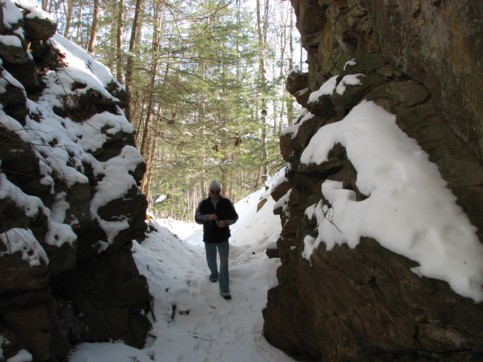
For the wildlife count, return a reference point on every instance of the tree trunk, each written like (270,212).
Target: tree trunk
(146,183)
(262,36)
(68,21)
(2,25)
(119,42)
(290,110)
(95,21)
(130,57)
(80,34)
(47,5)
(148,141)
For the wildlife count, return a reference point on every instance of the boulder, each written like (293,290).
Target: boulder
(14,54)
(13,101)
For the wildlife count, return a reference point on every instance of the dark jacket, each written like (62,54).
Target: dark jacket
(224,210)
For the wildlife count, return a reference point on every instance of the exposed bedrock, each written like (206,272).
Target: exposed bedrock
(421,61)
(70,202)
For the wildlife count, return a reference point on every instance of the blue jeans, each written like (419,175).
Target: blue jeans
(222,275)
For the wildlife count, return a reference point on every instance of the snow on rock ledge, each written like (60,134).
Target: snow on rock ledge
(406,196)
(392,230)
(69,195)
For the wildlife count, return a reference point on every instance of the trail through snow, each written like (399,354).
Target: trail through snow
(192,322)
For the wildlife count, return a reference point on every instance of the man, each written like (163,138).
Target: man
(217,213)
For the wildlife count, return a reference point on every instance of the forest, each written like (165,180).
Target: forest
(204,82)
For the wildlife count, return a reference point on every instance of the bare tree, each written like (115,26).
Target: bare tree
(148,138)
(80,33)
(262,27)
(95,21)
(290,108)
(119,42)
(130,57)
(68,20)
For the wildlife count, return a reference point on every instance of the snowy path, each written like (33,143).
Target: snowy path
(205,327)
(193,322)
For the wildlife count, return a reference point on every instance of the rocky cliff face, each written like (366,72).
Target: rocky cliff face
(419,60)
(69,198)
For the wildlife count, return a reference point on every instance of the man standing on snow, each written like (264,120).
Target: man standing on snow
(217,213)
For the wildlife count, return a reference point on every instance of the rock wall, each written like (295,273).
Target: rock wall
(69,197)
(421,62)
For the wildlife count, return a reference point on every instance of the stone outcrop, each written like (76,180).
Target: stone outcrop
(70,203)
(420,61)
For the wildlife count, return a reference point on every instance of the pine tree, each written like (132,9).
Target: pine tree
(198,75)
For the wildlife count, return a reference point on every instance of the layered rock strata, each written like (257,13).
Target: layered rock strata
(419,60)
(69,197)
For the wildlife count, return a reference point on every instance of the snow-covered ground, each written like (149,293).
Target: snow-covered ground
(192,321)
(406,196)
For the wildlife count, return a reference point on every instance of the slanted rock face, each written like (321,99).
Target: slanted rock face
(365,303)
(438,43)
(69,198)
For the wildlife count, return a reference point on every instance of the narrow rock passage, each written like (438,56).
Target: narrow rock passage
(191,321)
(194,323)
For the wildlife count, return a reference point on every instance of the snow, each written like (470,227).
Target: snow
(295,70)
(6,78)
(332,84)
(23,241)
(325,89)
(62,146)
(30,204)
(34,11)
(91,129)
(304,116)
(193,322)
(350,79)
(178,228)
(276,180)
(11,40)
(117,182)
(118,352)
(82,67)
(21,356)
(409,209)
(283,203)
(11,14)
(160,199)
(57,233)
(349,63)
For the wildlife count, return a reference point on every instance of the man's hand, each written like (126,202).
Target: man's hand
(221,223)
(212,217)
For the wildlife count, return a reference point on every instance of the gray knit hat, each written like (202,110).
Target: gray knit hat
(215,185)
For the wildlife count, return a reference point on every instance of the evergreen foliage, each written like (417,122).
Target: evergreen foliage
(194,88)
